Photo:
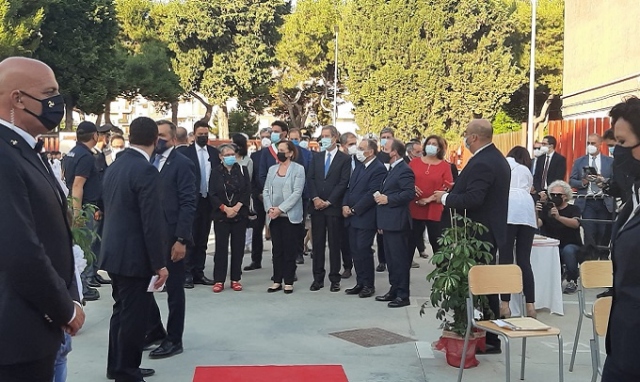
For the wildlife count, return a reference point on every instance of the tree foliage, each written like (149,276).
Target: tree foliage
(427,65)
(242,121)
(20,23)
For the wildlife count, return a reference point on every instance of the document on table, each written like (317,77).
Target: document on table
(151,287)
(521,324)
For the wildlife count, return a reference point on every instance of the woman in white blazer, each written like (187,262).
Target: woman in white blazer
(282,196)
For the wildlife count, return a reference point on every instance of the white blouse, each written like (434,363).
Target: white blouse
(521,206)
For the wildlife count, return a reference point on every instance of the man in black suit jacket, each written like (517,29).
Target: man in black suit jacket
(178,201)
(37,283)
(394,220)
(556,165)
(359,211)
(204,157)
(134,248)
(327,182)
(482,190)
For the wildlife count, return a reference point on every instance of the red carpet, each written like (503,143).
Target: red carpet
(300,373)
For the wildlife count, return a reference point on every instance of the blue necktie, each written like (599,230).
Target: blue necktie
(156,161)
(327,164)
(353,164)
(203,175)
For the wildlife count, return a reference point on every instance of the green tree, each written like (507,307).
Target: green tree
(427,65)
(243,121)
(78,42)
(20,23)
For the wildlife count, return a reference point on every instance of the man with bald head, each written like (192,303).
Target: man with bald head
(39,297)
(482,190)
(182,139)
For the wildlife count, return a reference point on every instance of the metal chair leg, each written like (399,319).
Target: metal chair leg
(464,352)
(594,361)
(560,358)
(524,352)
(577,338)
(507,358)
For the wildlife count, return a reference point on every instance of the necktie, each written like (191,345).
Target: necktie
(38,146)
(595,189)
(353,164)
(544,172)
(156,161)
(327,164)
(203,175)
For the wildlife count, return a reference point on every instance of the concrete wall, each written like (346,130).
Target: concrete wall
(601,44)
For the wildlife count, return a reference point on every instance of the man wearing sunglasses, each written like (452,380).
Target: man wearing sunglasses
(559,220)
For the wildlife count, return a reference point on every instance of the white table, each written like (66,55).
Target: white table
(547,273)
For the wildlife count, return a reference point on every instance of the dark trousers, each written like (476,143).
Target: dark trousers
(283,234)
(380,243)
(361,241)
(396,248)
(434,231)
(596,233)
(197,253)
(322,226)
(128,326)
(303,232)
(614,373)
(33,371)
(257,240)
(347,254)
(418,237)
(224,230)
(494,301)
(175,301)
(522,237)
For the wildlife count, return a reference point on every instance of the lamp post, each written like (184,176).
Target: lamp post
(335,79)
(532,79)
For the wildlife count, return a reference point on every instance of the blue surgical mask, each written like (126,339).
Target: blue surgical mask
(295,142)
(325,143)
(431,150)
(275,138)
(383,142)
(229,161)
(611,149)
(304,144)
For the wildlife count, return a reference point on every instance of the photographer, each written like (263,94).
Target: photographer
(558,219)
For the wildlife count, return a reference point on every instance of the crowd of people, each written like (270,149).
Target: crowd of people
(154,204)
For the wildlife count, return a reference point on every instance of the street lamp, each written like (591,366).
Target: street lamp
(532,79)
(335,80)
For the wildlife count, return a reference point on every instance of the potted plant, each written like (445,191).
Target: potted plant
(460,250)
(83,237)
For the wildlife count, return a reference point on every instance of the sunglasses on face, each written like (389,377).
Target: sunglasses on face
(556,195)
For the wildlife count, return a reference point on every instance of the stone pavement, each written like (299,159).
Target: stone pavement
(255,328)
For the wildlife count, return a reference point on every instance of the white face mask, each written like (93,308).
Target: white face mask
(360,155)
(431,150)
(351,150)
(592,150)
(266,142)
(537,152)
(544,149)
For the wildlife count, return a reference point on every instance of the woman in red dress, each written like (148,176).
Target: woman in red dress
(432,174)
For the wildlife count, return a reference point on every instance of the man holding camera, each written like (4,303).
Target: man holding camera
(559,220)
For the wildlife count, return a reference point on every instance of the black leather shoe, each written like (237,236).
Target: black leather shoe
(316,286)
(91,295)
(154,339)
(355,290)
(489,349)
(381,267)
(203,281)
(188,283)
(252,267)
(144,372)
(300,260)
(93,283)
(385,297)
(335,287)
(102,280)
(166,349)
(399,303)
(367,292)
(346,274)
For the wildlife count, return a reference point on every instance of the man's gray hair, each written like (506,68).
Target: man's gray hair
(345,136)
(264,130)
(229,146)
(372,144)
(332,129)
(388,130)
(566,189)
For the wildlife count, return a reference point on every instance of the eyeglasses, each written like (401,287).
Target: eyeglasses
(553,195)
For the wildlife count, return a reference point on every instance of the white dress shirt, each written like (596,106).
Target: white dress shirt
(202,152)
(521,209)
(333,155)
(163,158)
(144,153)
(31,141)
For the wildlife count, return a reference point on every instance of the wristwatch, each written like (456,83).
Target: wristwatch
(181,240)
(353,211)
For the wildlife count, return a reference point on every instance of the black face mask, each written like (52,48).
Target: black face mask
(202,140)
(161,146)
(52,110)
(282,157)
(384,157)
(557,200)
(624,162)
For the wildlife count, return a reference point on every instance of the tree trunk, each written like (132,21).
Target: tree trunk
(107,113)
(174,112)
(99,120)
(207,105)
(68,121)
(223,122)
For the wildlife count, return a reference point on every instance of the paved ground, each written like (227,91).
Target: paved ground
(255,328)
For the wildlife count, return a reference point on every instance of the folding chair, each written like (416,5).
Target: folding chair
(593,274)
(600,317)
(502,279)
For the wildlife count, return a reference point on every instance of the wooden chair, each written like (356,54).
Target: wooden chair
(600,317)
(593,274)
(502,279)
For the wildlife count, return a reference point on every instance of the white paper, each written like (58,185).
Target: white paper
(151,287)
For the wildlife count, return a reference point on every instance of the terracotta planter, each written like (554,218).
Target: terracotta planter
(452,344)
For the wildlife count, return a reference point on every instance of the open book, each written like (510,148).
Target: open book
(521,324)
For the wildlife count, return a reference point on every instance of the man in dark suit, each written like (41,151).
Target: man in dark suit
(349,146)
(133,211)
(385,135)
(204,157)
(394,220)
(327,180)
(482,189)
(359,211)
(178,201)
(257,240)
(37,284)
(550,166)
